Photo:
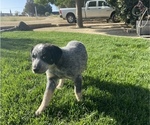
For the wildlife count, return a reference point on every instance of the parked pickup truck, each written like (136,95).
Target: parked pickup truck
(92,9)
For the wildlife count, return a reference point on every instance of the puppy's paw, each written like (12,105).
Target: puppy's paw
(78,97)
(39,111)
(60,85)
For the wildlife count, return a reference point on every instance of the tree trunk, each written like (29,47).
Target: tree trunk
(79,13)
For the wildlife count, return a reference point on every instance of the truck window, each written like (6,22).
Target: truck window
(92,4)
(102,3)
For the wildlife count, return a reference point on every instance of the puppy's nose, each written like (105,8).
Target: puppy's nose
(36,70)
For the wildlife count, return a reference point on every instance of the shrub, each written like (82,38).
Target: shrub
(124,9)
(47,13)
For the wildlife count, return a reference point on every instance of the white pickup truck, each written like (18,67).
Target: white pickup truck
(92,9)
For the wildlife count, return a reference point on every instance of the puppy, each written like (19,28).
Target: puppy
(59,63)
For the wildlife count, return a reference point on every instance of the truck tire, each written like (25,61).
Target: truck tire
(114,18)
(70,18)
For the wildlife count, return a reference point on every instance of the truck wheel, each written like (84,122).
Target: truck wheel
(71,18)
(114,18)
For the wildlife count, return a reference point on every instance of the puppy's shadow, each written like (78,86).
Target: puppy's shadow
(120,101)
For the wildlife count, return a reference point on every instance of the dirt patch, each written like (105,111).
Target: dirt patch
(14,21)
(116,29)
(90,26)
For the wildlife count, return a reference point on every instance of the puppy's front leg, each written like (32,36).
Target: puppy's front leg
(50,87)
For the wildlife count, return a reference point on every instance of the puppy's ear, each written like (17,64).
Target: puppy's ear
(55,53)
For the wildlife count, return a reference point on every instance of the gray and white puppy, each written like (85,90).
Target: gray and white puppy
(59,63)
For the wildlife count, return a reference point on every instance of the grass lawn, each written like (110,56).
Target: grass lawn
(115,86)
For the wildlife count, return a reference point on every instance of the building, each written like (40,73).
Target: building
(6,14)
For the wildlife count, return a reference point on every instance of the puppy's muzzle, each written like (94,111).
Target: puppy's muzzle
(36,70)
(39,68)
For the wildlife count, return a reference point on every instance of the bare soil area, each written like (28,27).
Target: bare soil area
(14,21)
(58,24)
(116,29)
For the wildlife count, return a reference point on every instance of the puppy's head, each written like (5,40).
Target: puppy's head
(43,56)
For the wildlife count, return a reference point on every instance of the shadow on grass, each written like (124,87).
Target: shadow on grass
(16,44)
(125,103)
(13,48)
(20,44)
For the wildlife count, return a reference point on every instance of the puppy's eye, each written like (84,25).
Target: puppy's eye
(34,56)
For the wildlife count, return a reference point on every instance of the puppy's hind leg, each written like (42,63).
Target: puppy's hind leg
(50,87)
(60,84)
(78,87)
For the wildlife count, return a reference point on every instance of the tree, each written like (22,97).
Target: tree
(60,3)
(30,8)
(16,13)
(30,1)
(79,14)
(41,9)
(65,3)
(42,2)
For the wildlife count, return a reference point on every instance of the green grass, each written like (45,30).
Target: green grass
(115,85)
